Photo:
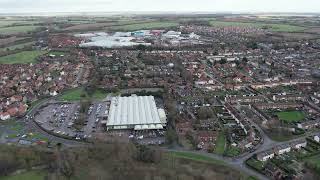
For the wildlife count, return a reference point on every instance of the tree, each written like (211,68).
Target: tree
(244,60)
(141,47)
(171,136)
(147,154)
(205,113)
(223,61)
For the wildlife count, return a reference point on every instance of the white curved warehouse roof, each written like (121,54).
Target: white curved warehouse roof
(135,112)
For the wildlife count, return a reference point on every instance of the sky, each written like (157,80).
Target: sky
(43,6)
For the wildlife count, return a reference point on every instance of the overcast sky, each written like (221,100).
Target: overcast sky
(23,6)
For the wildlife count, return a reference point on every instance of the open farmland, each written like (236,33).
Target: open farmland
(30,175)
(95,26)
(17,29)
(4,23)
(17,46)
(291,116)
(149,25)
(9,40)
(22,57)
(272,27)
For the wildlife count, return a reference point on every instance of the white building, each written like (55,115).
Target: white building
(299,144)
(279,150)
(264,156)
(135,112)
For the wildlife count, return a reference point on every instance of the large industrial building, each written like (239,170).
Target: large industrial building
(135,112)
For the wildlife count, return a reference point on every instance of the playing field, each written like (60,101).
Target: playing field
(272,27)
(220,144)
(24,57)
(73,95)
(291,116)
(17,29)
(149,25)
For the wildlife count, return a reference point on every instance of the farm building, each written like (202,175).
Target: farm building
(135,112)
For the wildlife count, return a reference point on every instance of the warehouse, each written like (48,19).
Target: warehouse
(135,112)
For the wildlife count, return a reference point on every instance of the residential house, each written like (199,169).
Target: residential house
(264,156)
(299,144)
(282,149)
(4,116)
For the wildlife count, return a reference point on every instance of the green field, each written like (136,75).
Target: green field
(148,25)
(4,23)
(272,27)
(73,95)
(99,94)
(232,151)
(291,116)
(256,164)
(197,157)
(17,29)
(18,46)
(24,57)
(78,94)
(220,144)
(30,175)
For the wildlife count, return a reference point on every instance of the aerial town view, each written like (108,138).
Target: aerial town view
(172,90)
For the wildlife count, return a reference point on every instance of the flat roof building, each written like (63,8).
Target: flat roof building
(135,112)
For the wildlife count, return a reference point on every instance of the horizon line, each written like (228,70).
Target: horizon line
(156,12)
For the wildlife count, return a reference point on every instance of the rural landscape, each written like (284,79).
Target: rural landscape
(160,96)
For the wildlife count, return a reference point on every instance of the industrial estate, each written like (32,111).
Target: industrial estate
(201,96)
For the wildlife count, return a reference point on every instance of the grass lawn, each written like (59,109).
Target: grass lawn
(232,151)
(148,25)
(37,136)
(79,93)
(272,27)
(220,144)
(256,164)
(35,103)
(17,29)
(197,157)
(99,94)
(73,95)
(291,116)
(17,127)
(24,57)
(30,175)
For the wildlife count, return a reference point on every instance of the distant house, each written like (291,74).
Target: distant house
(279,150)
(206,136)
(309,124)
(4,116)
(264,156)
